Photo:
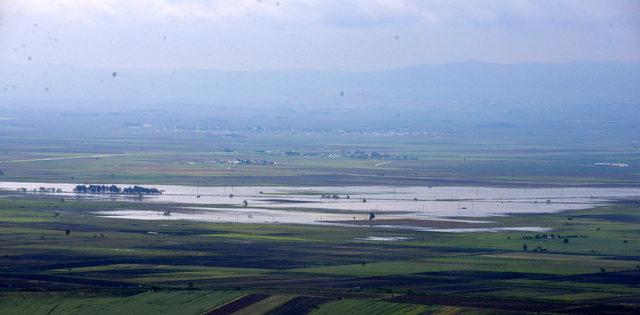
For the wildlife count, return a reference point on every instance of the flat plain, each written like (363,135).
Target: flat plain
(59,255)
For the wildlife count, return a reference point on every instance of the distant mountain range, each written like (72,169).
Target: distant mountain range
(462,82)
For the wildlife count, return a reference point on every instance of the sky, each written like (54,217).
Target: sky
(314,34)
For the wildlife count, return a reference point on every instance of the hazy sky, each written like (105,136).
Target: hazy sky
(314,34)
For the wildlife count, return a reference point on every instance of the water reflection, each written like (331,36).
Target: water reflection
(319,205)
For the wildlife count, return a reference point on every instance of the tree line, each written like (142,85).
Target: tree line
(113,189)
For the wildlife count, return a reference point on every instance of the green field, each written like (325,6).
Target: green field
(183,302)
(370,307)
(120,266)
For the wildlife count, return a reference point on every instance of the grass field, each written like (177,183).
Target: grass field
(175,302)
(119,265)
(372,307)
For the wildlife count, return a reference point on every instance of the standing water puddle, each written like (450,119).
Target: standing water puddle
(347,205)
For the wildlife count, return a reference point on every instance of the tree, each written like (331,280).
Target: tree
(524,247)
(566,240)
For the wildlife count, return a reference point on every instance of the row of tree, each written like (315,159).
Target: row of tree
(113,189)
(551,236)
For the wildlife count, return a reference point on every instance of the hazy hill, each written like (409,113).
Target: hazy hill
(460,82)
(470,91)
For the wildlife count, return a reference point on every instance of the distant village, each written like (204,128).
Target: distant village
(612,164)
(373,155)
(354,155)
(235,162)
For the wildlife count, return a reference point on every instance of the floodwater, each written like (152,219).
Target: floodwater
(305,205)
(384,239)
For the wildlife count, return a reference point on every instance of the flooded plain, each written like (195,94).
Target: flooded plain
(417,208)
